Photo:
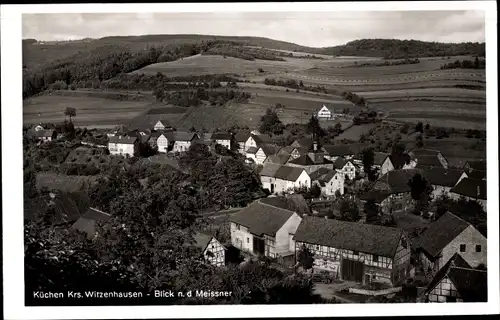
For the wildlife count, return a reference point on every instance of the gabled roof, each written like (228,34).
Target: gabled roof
(304,143)
(441,233)
(367,238)
(122,139)
(262,139)
(473,188)
(379,158)
(339,163)
(261,218)
(395,181)
(338,150)
(269,169)
(293,202)
(376,195)
(184,136)
(476,174)
(286,150)
(321,172)
(303,160)
(470,283)
(269,149)
(88,221)
(479,165)
(429,161)
(424,152)
(221,136)
(288,173)
(241,136)
(278,159)
(167,134)
(442,177)
(201,240)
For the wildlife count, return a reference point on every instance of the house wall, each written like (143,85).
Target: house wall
(445,288)
(241,238)
(162,143)
(470,237)
(410,165)
(121,149)
(260,156)
(303,180)
(225,143)
(251,156)
(464,175)
(241,147)
(401,260)
(181,146)
(250,143)
(336,183)
(218,251)
(386,166)
(267,181)
(159,126)
(439,191)
(399,201)
(283,234)
(327,114)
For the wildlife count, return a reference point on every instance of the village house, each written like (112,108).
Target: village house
(251,153)
(213,251)
(277,159)
(354,251)
(162,125)
(447,236)
(470,189)
(241,138)
(42,135)
(442,180)
(324,114)
(89,221)
(476,169)
(393,187)
(382,162)
(256,140)
(457,281)
(304,143)
(264,151)
(283,179)
(164,140)
(311,162)
(264,230)
(330,181)
(293,152)
(222,138)
(428,158)
(346,167)
(336,151)
(183,140)
(122,145)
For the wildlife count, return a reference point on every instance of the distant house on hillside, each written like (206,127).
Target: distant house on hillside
(330,181)
(354,251)
(183,140)
(222,138)
(471,189)
(213,251)
(162,125)
(42,135)
(447,236)
(324,114)
(89,220)
(282,179)
(458,282)
(264,230)
(122,145)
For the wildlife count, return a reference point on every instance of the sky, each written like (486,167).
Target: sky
(315,29)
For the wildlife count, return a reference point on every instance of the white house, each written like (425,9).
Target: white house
(329,181)
(241,138)
(183,140)
(122,145)
(42,135)
(265,230)
(264,151)
(283,179)
(447,236)
(458,282)
(357,252)
(162,125)
(222,138)
(324,113)
(346,167)
(165,141)
(213,251)
(472,189)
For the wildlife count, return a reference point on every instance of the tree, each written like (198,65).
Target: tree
(314,127)
(301,84)
(368,158)
(371,211)
(349,210)
(427,126)
(144,150)
(419,127)
(315,191)
(420,190)
(70,112)
(420,141)
(405,128)
(305,258)
(271,124)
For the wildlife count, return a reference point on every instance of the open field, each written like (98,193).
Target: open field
(354,132)
(89,110)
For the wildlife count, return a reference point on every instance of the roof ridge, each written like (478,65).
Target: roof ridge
(100,211)
(459,218)
(452,266)
(266,204)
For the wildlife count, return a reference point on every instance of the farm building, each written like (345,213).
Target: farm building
(264,151)
(458,282)
(476,169)
(278,178)
(471,189)
(329,181)
(265,230)
(428,158)
(222,138)
(354,251)
(122,145)
(257,140)
(88,222)
(213,251)
(277,159)
(346,167)
(162,125)
(183,141)
(447,236)
(42,135)
(241,138)
(442,180)
(336,151)
(311,162)
(394,185)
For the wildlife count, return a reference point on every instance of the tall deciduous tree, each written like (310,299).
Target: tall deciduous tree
(349,210)
(271,124)
(305,258)
(70,112)
(420,190)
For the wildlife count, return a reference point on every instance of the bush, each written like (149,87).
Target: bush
(416,212)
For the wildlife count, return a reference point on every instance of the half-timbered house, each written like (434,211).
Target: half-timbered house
(213,251)
(330,181)
(354,251)
(183,140)
(394,185)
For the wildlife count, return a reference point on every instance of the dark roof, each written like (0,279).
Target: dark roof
(339,163)
(303,160)
(288,173)
(321,172)
(269,169)
(278,159)
(87,222)
(429,161)
(168,134)
(304,143)
(41,133)
(400,160)
(294,202)
(367,238)
(241,136)
(286,150)
(441,233)
(184,136)
(202,240)
(479,165)
(470,283)
(252,150)
(441,176)
(473,188)
(221,136)
(122,139)
(338,150)
(269,149)
(377,195)
(476,174)
(379,158)
(261,218)
(396,181)
(424,152)
(262,139)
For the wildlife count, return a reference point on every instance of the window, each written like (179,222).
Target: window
(478,248)
(248,240)
(462,248)
(375,258)
(374,277)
